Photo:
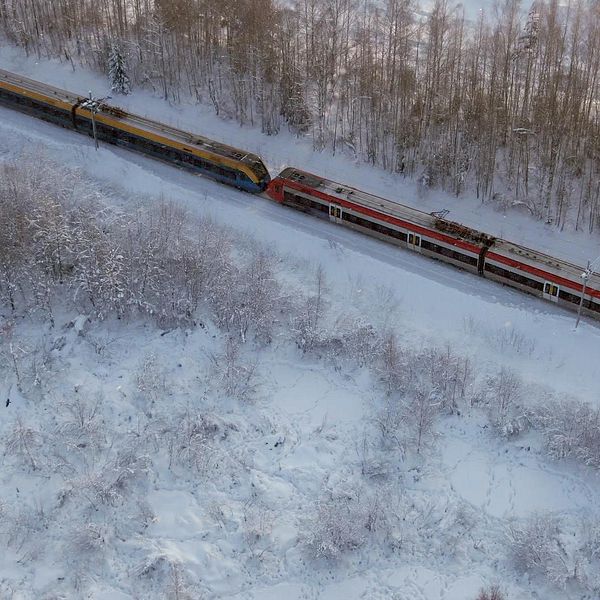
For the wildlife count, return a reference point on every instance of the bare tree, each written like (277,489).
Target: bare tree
(503,394)
(492,593)
(236,376)
(23,444)
(421,410)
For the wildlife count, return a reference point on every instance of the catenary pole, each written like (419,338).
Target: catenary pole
(584,278)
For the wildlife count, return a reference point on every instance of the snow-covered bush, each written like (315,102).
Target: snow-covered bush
(571,429)
(591,545)
(342,520)
(408,420)
(348,338)
(503,395)
(448,376)
(151,380)
(587,561)
(506,339)
(167,574)
(111,482)
(193,442)
(86,540)
(421,410)
(99,275)
(535,547)
(258,525)
(178,585)
(391,366)
(25,525)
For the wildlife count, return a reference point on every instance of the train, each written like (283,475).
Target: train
(221,162)
(429,234)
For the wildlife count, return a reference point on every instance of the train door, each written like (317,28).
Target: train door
(551,291)
(414,241)
(335,213)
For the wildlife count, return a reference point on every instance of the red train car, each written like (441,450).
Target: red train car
(497,259)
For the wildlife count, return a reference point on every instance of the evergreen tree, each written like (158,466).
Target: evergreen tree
(119,81)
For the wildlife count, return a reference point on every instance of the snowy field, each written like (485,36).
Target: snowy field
(307,487)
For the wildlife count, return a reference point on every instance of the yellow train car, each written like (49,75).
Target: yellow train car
(218,161)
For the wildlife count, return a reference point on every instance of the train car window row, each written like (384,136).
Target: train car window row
(458,256)
(388,231)
(526,281)
(595,306)
(163,151)
(576,299)
(304,203)
(49,112)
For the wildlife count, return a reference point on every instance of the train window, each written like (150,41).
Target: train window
(591,305)
(399,235)
(318,206)
(442,250)
(513,276)
(305,204)
(568,297)
(294,200)
(551,291)
(372,225)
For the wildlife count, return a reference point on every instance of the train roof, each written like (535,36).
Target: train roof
(346,192)
(388,207)
(552,264)
(149,125)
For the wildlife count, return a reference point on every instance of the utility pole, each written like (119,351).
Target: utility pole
(94,105)
(585,278)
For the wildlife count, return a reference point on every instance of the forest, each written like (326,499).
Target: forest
(504,107)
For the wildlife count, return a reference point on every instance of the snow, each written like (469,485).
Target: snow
(302,437)
(505,481)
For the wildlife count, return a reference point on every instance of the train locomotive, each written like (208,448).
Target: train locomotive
(428,234)
(223,163)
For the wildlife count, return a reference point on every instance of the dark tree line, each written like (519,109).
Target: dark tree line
(505,106)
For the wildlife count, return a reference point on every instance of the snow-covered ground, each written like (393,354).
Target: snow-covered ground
(241,529)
